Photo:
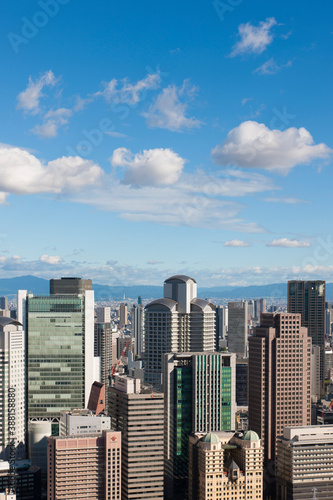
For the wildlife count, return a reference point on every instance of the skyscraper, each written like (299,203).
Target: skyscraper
(221,323)
(238,328)
(103,314)
(179,322)
(137,411)
(103,349)
(199,396)
(12,389)
(123,314)
(280,377)
(61,366)
(308,299)
(137,316)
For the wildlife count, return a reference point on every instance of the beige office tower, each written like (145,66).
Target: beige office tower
(225,466)
(138,412)
(179,322)
(123,314)
(279,377)
(304,463)
(84,467)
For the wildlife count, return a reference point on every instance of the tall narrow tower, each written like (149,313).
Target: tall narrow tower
(308,299)
(280,377)
(179,322)
(12,389)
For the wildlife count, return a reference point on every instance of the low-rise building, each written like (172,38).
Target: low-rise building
(227,466)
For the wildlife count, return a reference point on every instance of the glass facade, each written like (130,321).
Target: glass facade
(55,354)
(182,419)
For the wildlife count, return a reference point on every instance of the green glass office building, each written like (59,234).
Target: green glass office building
(60,352)
(199,396)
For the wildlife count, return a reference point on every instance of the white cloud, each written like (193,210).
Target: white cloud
(28,99)
(254,145)
(53,120)
(23,173)
(287,243)
(270,67)
(153,262)
(237,243)
(130,93)
(153,167)
(53,260)
(178,204)
(288,201)
(254,39)
(169,112)
(118,135)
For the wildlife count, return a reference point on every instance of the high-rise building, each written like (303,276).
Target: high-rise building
(103,349)
(137,318)
(64,286)
(86,467)
(280,377)
(242,368)
(123,314)
(304,463)
(201,386)
(61,366)
(138,412)
(103,314)
(315,373)
(12,389)
(238,328)
(226,466)
(221,322)
(179,322)
(308,299)
(3,303)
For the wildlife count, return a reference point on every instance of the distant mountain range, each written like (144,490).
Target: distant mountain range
(9,287)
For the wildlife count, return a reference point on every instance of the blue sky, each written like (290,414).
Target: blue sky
(140,140)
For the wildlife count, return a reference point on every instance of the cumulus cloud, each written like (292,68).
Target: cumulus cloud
(270,67)
(53,260)
(237,243)
(254,39)
(169,112)
(117,91)
(152,167)
(23,173)
(254,145)
(287,243)
(29,99)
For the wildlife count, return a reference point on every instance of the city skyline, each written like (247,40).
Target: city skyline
(202,132)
